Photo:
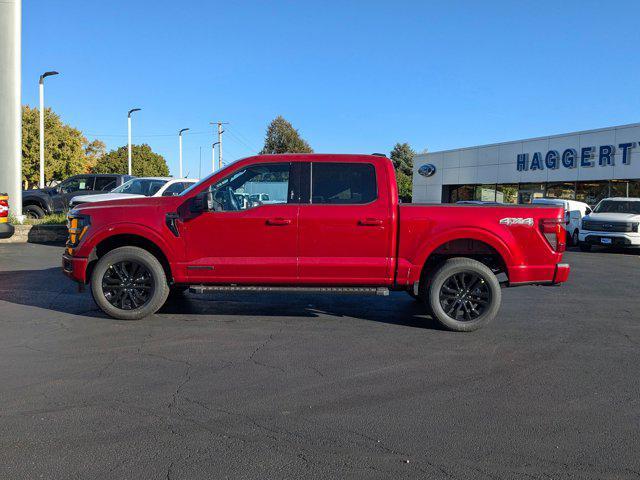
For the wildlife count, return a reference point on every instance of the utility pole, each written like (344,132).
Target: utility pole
(180,145)
(129,135)
(41,87)
(219,142)
(213,156)
(10,112)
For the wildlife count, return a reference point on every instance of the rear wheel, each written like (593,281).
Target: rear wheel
(129,283)
(33,211)
(585,247)
(463,294)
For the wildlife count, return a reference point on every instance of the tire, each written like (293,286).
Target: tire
(585,247)
(34,211)
(149,289)
(575,239)
(457,275)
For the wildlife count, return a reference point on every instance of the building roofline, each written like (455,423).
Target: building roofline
(545,137)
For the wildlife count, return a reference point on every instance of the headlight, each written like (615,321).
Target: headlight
(77,225)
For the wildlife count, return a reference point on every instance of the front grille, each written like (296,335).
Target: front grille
(601,226)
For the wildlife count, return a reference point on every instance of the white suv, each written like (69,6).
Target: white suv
(614,222)
(574,211)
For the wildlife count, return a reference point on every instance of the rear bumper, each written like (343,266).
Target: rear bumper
(6,230)
(551,275)
(75,267)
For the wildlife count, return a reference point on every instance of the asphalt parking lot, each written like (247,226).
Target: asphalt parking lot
(263,386)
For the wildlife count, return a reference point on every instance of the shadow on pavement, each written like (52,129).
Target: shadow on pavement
(50,289)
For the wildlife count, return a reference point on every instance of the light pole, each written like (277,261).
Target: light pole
(180,143)
(219,143)
(41,85)
(213,157)
(129,135)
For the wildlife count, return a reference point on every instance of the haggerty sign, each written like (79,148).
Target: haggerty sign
(570,158)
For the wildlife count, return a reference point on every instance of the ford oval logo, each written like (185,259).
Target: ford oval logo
(427,170)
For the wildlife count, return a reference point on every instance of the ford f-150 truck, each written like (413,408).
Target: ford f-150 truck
(333,224)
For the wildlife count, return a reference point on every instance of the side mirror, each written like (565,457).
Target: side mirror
(587,211)
(203,202)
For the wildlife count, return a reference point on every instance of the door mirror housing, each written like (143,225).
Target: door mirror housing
(203,202)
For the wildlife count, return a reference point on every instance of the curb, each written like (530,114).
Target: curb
(38,234)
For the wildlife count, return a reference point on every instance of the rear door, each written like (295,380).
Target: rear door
(104,184)
(345,228)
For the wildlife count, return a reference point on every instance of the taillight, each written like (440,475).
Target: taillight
(554,232)
(4,208)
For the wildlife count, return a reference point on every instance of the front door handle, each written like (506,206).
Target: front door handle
(278,221)
(370,222)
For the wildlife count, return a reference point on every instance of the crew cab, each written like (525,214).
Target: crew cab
(37,203)
(613,222)
(333,224)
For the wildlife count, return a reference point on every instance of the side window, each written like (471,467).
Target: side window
(343,183)
(105,184)
(77,184)
(251,187)
(175,189)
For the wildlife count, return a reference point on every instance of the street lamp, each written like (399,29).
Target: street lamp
(180,142)
(41,86)
(129,131)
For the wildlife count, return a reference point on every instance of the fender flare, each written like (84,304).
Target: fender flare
(471,233)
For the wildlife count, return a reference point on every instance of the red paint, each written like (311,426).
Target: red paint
(381,243)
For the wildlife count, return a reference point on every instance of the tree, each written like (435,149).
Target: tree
(283,138)
(94,152)
(402,158)
(64,147)
(144,162)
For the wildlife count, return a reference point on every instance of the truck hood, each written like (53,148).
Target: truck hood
(125,204)
(612,217)
(103,197)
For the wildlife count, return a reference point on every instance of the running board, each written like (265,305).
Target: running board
(276,289)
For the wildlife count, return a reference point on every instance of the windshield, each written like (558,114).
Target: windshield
(141,186)
(196,185)
(618,206)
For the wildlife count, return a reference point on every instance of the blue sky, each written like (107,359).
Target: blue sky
(352,76)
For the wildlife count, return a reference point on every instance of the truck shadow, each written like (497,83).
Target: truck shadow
(49,289)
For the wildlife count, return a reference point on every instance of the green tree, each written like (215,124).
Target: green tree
(94,152)
(283,138)
(64,147)
(144,162)
(405,186)
(402,158)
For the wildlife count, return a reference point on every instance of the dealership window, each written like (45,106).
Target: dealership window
(507,193)
(634,188)
(485,193)
(343,183)
(564,190)
(592,192)
(459,193)
(529,191)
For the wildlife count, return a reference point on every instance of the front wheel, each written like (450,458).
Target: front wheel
(129,283)
(463,294)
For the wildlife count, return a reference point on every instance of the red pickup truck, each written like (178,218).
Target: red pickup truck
(321,223)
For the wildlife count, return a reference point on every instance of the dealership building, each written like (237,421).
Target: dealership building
(586,166)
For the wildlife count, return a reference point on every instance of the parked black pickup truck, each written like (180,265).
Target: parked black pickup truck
(40,202)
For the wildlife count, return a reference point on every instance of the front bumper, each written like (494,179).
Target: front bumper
(75,267)
(610,239)
(6,230)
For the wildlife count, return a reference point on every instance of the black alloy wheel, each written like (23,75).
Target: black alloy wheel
(465,296)
(127,285)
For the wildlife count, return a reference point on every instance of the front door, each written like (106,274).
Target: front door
(247,239)
(346,231)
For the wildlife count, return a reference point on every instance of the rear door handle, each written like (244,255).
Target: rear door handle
(370,222)
(278,221)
